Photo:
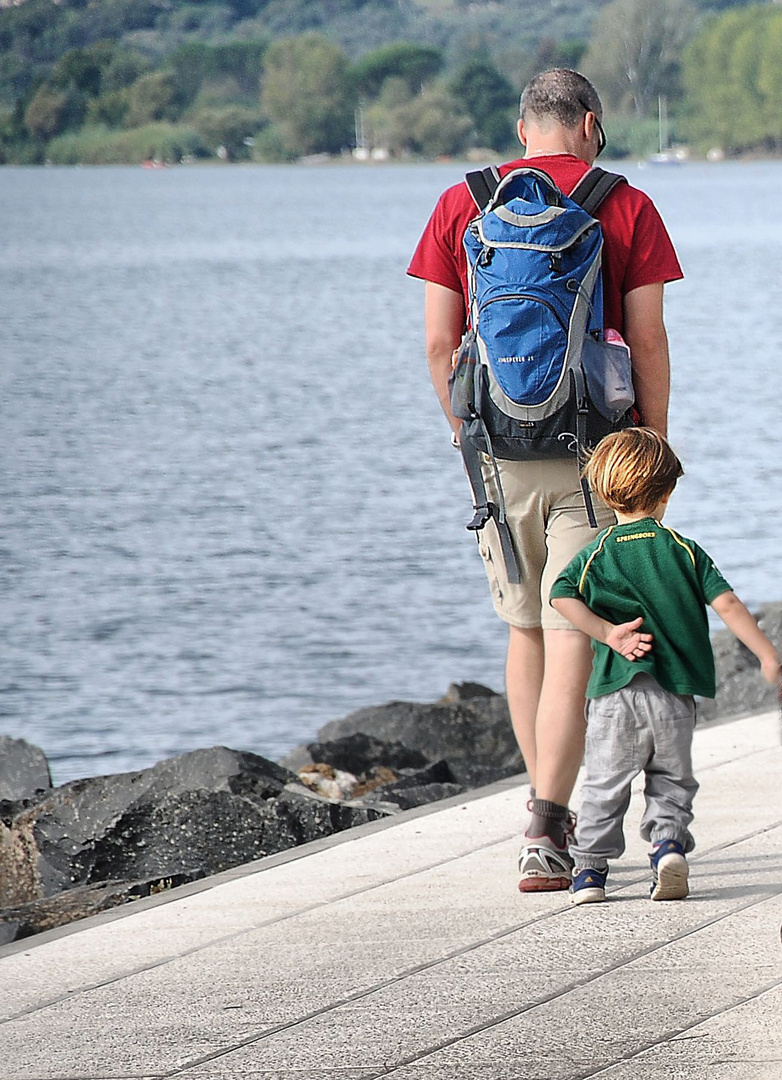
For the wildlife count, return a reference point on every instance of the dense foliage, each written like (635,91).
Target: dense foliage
(733,78)
(636,50)
(113,80)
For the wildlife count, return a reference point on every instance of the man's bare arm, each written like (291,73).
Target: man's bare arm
(444,322)
(644,332)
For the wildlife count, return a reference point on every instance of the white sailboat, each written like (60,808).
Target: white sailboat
(361,149)
(665,155)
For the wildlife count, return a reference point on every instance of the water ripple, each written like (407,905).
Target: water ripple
(230,509)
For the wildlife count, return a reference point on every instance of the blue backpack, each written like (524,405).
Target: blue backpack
(533,377)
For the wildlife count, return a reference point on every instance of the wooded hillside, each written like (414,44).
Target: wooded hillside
(123,80)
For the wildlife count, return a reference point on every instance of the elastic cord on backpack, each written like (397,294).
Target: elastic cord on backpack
(582,412)
(575,286)
(483,506)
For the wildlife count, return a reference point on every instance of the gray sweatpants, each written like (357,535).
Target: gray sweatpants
(640,728)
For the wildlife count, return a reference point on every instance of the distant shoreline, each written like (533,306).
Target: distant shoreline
(743,159)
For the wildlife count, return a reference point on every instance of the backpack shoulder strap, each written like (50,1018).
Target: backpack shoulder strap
(594,186)
(482,184)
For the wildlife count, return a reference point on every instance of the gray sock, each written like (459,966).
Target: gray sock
(548,819)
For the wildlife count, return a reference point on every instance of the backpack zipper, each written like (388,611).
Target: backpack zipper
(524,296)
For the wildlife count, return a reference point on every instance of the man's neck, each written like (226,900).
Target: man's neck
(549,153)
(540,142)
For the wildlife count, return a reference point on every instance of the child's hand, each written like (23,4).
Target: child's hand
(628,641)
(772,670)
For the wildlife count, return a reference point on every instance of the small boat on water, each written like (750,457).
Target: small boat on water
(665,155)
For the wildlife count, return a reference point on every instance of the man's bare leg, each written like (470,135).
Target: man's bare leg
(523,681)
(544,863)
(560,726)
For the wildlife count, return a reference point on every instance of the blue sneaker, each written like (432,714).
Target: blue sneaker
(589,886)
(669,871)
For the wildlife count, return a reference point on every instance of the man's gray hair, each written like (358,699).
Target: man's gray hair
(562,95)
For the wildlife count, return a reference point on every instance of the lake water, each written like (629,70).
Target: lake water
(230,511)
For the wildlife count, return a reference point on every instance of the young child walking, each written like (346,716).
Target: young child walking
(640,591)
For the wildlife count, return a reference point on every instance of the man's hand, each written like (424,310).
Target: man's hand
(627,640)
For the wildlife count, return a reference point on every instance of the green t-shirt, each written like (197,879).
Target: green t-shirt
(645,568)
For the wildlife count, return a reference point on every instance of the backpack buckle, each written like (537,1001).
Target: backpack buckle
(482,514)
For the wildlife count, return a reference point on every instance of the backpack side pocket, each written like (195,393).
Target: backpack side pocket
(461,381)
(609,377)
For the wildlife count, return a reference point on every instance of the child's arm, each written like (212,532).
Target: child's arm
(741,623)
(624,638)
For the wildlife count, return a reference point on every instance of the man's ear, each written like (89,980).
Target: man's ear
(588,123)
(521,132)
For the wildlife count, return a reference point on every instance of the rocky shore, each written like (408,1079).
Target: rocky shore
(85,846)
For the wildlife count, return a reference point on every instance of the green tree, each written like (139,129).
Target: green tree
(153,97)
(16,78)
(488,99)
(429,124)
(52,111)
(230,127)
(732,72)
(415,64)
(109,110)
(124,68)
(636,49)
(437,127)
(82,69)
(769,81)
(195,64)
(306,92)
(15,143)
(551,54)
(245,9)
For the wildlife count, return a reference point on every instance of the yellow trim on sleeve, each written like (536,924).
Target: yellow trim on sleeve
(679,541)
(597,551)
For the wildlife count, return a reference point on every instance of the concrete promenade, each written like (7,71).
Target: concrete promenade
(405,950)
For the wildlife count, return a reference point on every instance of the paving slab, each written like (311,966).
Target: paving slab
(404,949)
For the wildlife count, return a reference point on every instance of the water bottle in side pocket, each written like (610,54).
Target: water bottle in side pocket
(609,374)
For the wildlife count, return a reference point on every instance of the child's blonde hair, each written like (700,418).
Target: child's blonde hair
(633,470)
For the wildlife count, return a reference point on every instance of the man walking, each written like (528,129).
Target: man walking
(548,662)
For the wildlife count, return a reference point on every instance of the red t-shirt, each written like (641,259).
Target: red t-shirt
(637,248)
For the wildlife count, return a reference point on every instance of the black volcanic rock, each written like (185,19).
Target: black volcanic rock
(79,903)
(469,724)
(188,816)
(416,787)
(24,769)
(359,753)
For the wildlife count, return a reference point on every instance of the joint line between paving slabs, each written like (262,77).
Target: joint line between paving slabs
(575,985)
(674,1035)
(102,1076)
(464,950)
(738,757)
(359,994)
(251,930)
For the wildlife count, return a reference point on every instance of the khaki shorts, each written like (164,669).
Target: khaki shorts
(547,519)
